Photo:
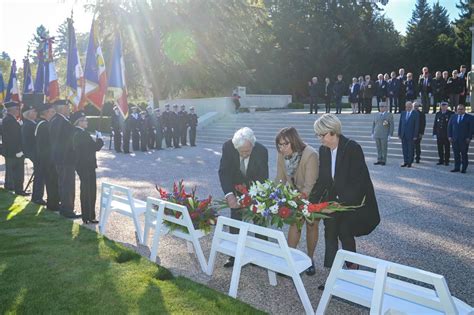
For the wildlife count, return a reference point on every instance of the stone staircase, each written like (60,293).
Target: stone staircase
(357,127)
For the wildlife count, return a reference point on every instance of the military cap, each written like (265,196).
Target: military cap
(191,108)
(76,116)
(43,107)
(11,104)
(175,106)
(26,107)
(59,103)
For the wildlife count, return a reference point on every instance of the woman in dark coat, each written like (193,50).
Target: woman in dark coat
(85,148)
(343,178)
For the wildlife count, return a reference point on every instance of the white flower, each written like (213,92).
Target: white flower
(267,185)
(292,204)
(305,212)
(274,208)
(305,201)
(283,199)
(260,207)
(253,191)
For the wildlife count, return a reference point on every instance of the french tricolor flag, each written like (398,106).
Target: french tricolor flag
(117,77)
(51,84)
(12,87)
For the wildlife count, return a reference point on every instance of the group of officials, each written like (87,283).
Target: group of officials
(58,146)
(147,129)
(395,90)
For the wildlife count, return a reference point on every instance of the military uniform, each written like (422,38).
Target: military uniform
(421,132)
(63,157)
(117,131)
(46,167)
(183,126)
(29,148)
(135,127)
(142,127)
(192,122)
(174,119)
(13,152)
(150,128)
(167,126)
(86,163)
(440,130)
(126,134)
(158,130)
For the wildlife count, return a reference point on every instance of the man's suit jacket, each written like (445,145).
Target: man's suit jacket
(410,88)
(351,184)
(422,126)
(425,88)
(43,142)
(437,86)
(440,126)
(28,139)
(368,89)
(462,130)
(11,136)
(393,87)
(409,128)
(85,148)
(61,132)
(379,130)
(381,88)
(229,168)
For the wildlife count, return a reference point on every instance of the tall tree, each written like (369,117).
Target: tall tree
(462,24)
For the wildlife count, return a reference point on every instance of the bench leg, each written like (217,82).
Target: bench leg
(155,243)
(272,277)
(189,246)
(234,282)
(199,254)
(303,294)
(331,280)
(103,221)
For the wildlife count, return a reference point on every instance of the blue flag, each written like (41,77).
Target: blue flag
(12,87)
(39,81)
(117,77)
(27,78)
(74,73)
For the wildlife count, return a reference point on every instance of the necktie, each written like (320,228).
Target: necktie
(408,115)
(242,167)
(459,119)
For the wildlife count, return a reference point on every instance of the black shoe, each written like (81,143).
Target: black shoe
(463,171)
(85,221)
(321,287)
(310,113)
(72,215)
(22,193)
(126,152)
(404,165)
(377,163)
(439,163)
(93,221)
(311,271)
(119,151)
(417,161)
(229,263)
(447,163)
(382,163)
(40,202)
(454,171)
(193,145)
(409,165)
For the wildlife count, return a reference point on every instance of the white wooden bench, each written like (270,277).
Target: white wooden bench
(247,249)
(384,294)
(155,218)
(119,199)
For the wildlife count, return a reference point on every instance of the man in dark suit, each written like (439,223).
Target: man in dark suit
(460,130)
(327,93)
(167,125)
(410,88)
(421,131)
(437,88)
(117,130)
(64,159)
(393,92)
(243,161)
(440,132)
(381,88)
(158,129)
(313,87)
(46,165)
(408,133)
(402,78)
(12,150)
(174,119)
(340,89)
(192,122)
(29,145)
(425,88)
(368,93)
(183,125)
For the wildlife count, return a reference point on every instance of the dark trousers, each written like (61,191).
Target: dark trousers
(418,148)
(360,105)
(158,140)
(332,235)
(168,137)
(425,102)
(126,141)
(192,135)
(408,148)
(175,134)
(393,104)
(401,103)
(143,140)
(151,138)
(443,149)
(327,101)
(313,104)
(88,193)
(136,140)
(453,101)
(338,104)
(437,99)
(462,98)
(235,214)
(367,108)
(67,188)
(379,100)
(38,183)
(117,140)
(460,148)
(50,175)
(15,174)
(184,135)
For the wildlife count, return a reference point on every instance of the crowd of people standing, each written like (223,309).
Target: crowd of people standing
(395,90)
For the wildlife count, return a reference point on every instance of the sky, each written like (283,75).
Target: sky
(19,19)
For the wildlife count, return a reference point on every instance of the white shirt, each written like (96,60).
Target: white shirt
(333,162)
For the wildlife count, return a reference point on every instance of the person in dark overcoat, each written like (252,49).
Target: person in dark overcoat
(343,178)
(192,122)
(86,163)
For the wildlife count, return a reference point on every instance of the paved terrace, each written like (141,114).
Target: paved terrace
(427,222)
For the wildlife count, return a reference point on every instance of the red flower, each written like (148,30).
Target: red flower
(194,215)
(247,201)
(317,207)
(303,195)
(284,212)
(254,209)
(163,193)
(177,215)
(241,189)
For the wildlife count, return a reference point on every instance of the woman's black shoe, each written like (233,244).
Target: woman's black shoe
(85,221)
(321,287)
(93,221)
(310,271)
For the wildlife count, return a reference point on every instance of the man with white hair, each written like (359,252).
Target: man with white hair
(243,161)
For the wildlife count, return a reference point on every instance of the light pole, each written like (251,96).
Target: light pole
(472,45)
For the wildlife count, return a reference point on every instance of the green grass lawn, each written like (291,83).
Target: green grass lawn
(51,265)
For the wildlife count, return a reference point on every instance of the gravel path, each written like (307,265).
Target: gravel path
(426,223)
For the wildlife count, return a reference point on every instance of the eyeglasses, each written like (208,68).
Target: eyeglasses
(283,144)
(322,135)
